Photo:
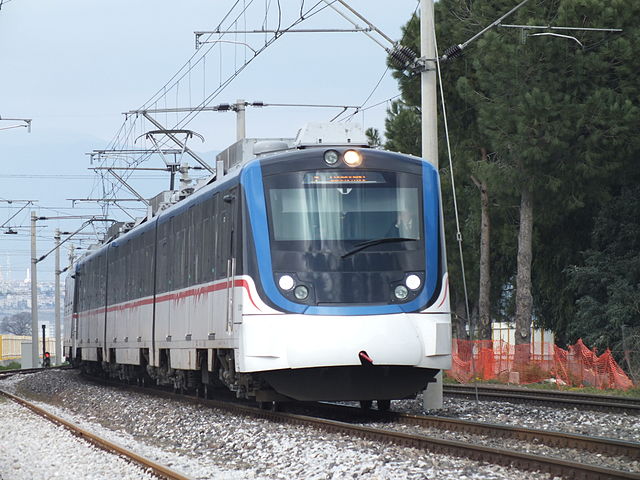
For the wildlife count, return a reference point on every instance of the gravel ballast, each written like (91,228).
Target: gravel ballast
(207,443)
(33,447)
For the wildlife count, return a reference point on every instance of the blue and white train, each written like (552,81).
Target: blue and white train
(313,273)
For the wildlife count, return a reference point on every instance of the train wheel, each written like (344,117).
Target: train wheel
(366,404)
(384,405)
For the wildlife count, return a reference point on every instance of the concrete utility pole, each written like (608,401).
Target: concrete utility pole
(432,396)
(56,237)
(429,78)
(34,294)
(241,127)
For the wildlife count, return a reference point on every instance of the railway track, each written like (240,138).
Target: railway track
(158,470)
(606,446)
(23,371)
(548,397)
(501,456)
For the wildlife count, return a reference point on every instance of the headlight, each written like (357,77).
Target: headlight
(286,282)
(331,157)
(413,282)
(401,292)
(352,158)
(301,292)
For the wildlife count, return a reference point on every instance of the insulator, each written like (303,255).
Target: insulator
(452,52)
(402,57)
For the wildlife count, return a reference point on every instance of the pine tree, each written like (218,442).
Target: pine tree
(558,118)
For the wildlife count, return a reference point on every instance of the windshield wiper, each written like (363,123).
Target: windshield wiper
(377,241)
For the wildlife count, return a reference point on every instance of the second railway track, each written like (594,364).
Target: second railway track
(548,397)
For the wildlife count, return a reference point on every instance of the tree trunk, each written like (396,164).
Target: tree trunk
(484,300)
(524,299)
(459,321)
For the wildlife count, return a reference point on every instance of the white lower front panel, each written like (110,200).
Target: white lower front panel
(270,342)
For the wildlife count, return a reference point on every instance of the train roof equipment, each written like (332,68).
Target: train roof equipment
(313,134)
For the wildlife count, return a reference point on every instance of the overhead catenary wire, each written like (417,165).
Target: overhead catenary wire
(189,117)
(123,135)
(377,85)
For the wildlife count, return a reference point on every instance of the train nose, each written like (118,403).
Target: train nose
(364,358)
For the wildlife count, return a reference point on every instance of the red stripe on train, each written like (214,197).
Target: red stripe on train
(193,292)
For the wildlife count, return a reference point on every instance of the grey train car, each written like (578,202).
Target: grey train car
(313,272)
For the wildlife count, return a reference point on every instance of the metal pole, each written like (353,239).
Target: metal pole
(72,334)
(57,299)
(432,396)
(428,84)
(44,341)
(34,294)
(241,127)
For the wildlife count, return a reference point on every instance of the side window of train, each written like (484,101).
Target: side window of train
(142,269)
(213,237)
(169,258)
(205,240)
(118,276)
(88,280)
(150,261)
(126,248)
(176,270)
(179,251)
(190,253)
(102,278)
(162,278)
(194,235)
(205,265)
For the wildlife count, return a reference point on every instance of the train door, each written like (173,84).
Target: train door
(229,222)
(70,320)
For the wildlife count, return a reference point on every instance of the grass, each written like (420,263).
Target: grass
(632,392)
(10,366)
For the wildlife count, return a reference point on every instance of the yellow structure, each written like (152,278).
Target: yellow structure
(11,346)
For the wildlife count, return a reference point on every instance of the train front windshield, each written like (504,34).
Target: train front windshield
(337,209)
(347,235)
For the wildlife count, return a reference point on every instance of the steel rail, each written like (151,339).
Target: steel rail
(158,470)
(23,371)
(608,446)
(498,456)
(593,401)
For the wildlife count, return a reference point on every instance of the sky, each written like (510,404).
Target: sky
(74,67)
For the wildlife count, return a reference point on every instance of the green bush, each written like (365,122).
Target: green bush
(10,366)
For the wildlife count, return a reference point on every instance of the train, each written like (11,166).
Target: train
(305,269)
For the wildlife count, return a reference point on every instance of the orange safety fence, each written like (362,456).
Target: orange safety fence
(536,362)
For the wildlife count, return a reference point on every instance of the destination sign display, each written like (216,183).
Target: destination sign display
(342,177)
